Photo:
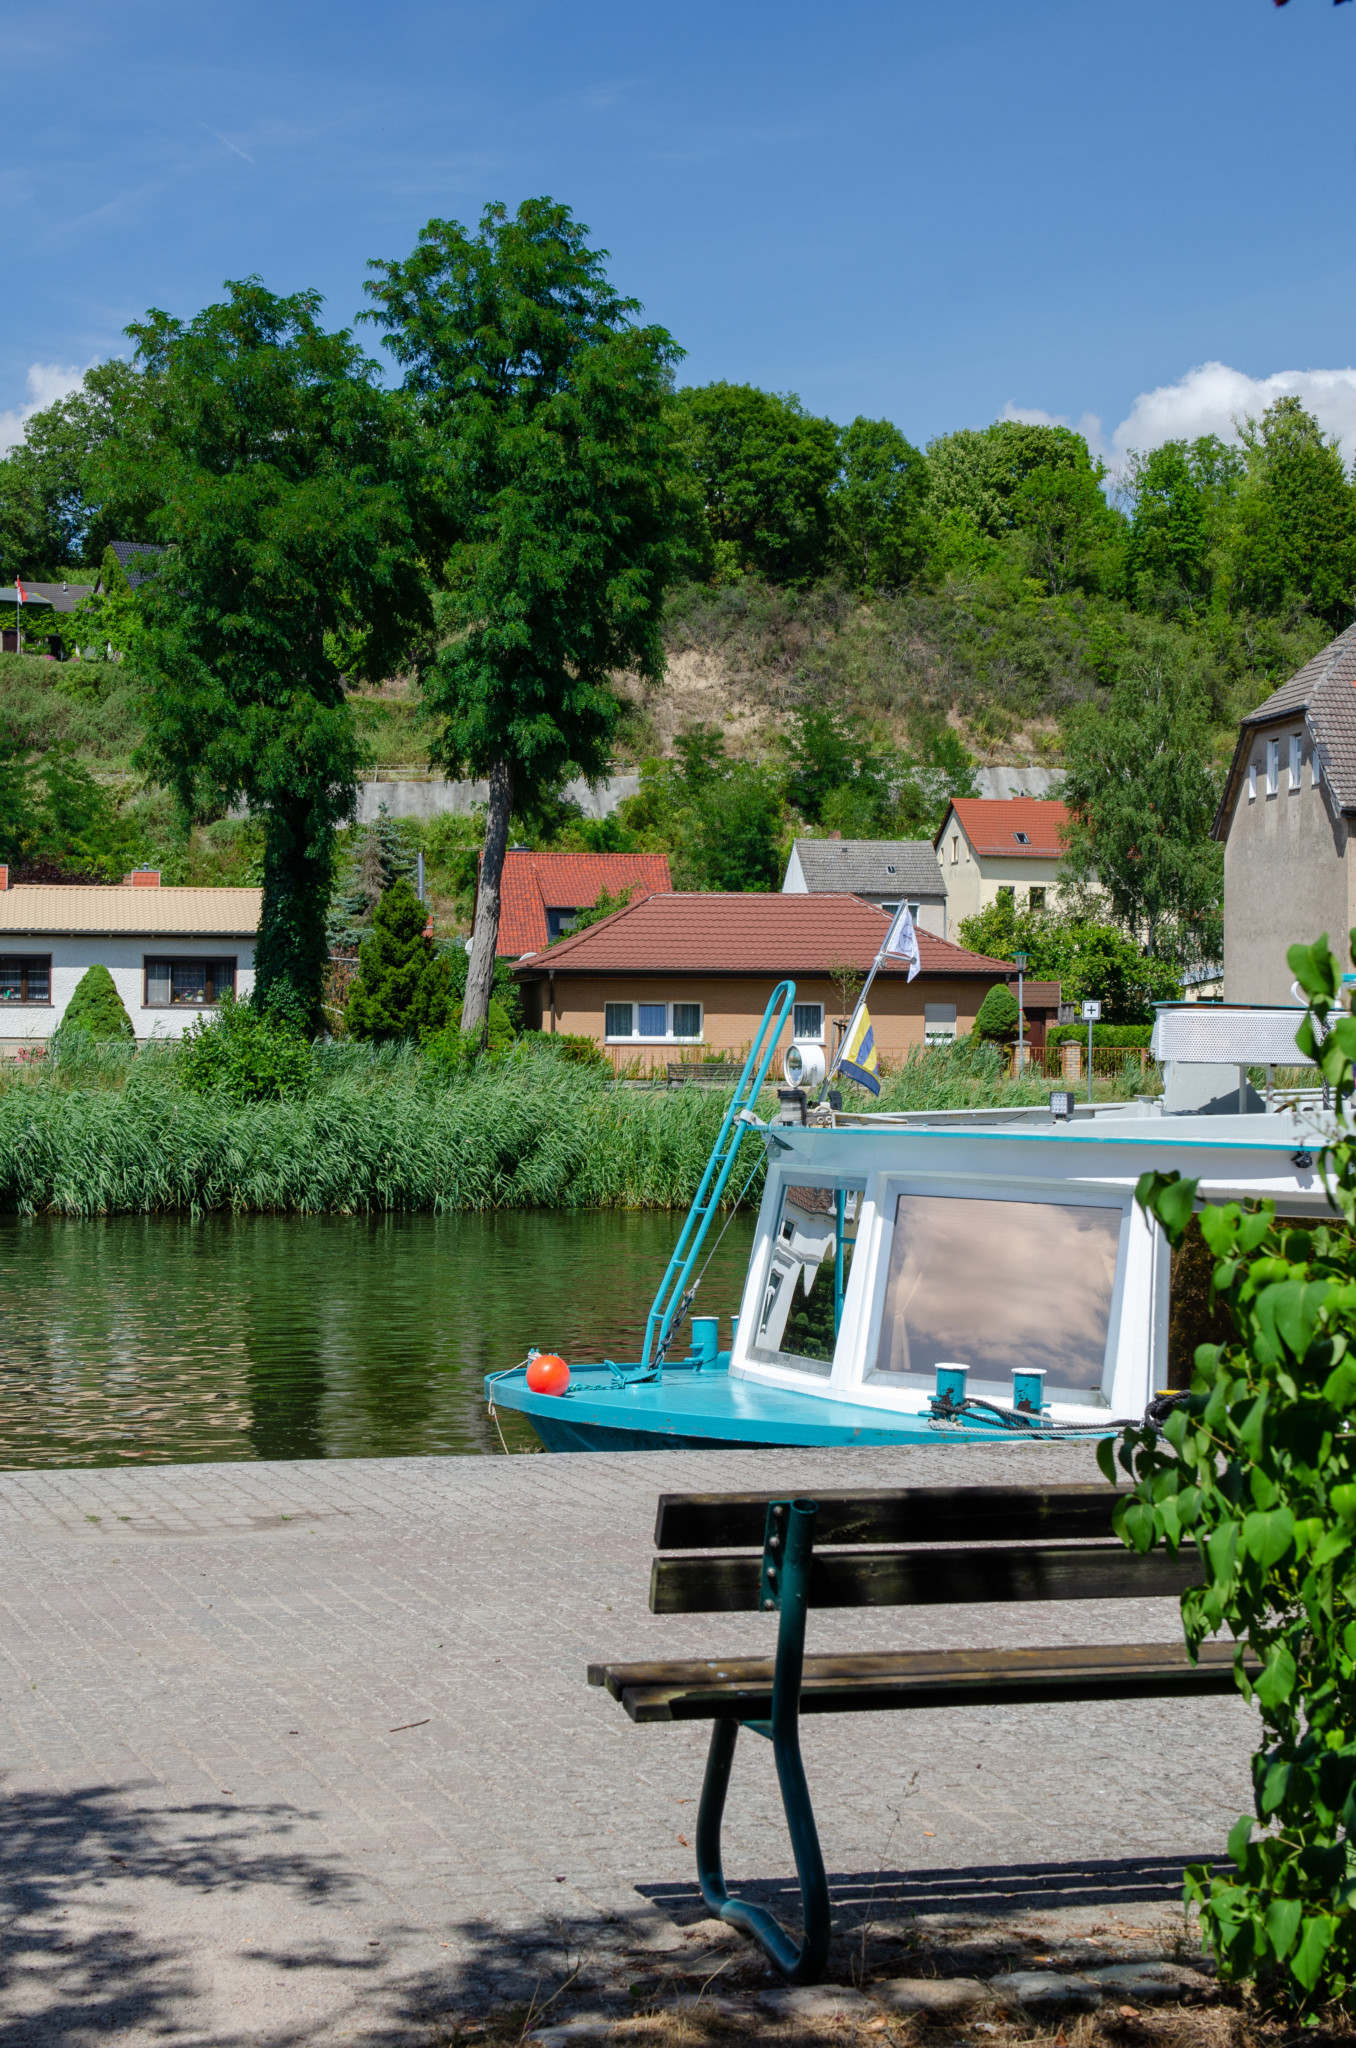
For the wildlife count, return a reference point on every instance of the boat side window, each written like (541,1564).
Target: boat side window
(807,1277)
(998,1286)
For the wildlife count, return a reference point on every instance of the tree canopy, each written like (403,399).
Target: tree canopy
(543,414)
(283,492)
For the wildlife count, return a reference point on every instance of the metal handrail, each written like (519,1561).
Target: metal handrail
(671,1302)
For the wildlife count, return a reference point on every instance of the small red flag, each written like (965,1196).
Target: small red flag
(23,594)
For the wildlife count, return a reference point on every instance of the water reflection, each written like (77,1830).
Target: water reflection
(148,1339)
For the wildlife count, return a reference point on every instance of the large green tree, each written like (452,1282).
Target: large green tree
(1292,544)
(543,409)
(978,472)
(57,504)
(1142,788)
(767,471)
(285,501)
(878,503)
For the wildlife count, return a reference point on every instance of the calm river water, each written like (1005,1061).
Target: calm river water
(160,1339)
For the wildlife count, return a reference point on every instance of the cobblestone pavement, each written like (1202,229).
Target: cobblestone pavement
(304,1753)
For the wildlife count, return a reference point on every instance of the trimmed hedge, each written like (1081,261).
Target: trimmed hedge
(1102,1034)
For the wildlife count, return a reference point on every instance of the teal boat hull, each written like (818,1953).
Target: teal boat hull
(700,1408)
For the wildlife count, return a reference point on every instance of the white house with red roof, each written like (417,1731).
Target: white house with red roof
(679,973)
(541,893)
(989,844)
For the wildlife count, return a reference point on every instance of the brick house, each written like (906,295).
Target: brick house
(677,972)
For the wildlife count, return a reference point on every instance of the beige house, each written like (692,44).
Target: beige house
(172,953)
(687,975)
(989,844)
(1286,819)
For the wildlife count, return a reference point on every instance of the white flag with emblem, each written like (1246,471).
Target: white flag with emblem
(902,941)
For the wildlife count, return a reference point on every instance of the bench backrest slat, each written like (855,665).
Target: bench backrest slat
(915,1514)
(931,1578)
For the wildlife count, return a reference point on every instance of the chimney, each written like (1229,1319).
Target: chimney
(835,835)
(4,877)
(142,878)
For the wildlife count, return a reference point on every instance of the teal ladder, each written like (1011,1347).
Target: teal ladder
(672,1301)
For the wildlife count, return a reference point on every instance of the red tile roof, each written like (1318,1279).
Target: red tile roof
(537,882)
(711,934)
(992,823)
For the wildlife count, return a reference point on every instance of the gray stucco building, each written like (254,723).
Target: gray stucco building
(1286,819)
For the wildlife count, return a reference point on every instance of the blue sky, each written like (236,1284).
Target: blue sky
(928,212)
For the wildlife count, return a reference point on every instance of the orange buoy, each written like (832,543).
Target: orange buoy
(548,1374)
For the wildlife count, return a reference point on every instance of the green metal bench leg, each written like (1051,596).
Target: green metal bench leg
(801,1963)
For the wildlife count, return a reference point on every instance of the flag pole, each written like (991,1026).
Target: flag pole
(846,1038)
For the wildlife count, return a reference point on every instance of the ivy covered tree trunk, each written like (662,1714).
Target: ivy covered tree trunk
(485,935)
(291,953)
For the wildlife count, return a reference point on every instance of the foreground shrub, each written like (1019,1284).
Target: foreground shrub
(1257,1468)
(997,1017)
(96,1008)
(245,1055)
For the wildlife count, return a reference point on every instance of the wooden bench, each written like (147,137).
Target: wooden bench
(984,1543)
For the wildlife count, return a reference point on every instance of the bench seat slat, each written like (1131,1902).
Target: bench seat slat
(916,1514)
(931,1578)
(741,1687)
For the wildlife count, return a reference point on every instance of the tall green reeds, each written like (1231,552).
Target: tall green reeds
(98,1131)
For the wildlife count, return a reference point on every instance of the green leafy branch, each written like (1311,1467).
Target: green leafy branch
(1256,1466)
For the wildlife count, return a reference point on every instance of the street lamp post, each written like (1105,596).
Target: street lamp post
(1019,961)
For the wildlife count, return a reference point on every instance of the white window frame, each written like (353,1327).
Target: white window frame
(1296,761)
(1273,767)
(1252,782)
(668,1036)
(955,848)
(941,1032)
(815,1037)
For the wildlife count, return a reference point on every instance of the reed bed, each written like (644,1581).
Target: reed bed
(102,1131)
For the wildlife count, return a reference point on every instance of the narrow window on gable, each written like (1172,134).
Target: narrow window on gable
(1252,782)
(1296,756)
(1273,766)
(955,848)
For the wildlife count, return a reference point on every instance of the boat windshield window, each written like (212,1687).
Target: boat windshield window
(999,1286)
(803,1293)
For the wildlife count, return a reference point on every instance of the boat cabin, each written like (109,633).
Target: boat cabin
(895,1262)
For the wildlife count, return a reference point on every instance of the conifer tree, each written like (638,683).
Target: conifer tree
(403,989)
(377,856)
(96,1008)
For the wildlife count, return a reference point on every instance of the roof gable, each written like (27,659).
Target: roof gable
(1323,692)
(533,883)
(1011,827)
(873,867)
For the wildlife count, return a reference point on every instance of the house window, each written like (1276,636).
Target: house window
(25,977)
(1273,766)
(1022,838)
(1296,755)
(188,984)
(1036,899)
(889,908)
(1252,782)
(913,912)
(558,922)
(807,1021)
(939,1023)
(955,849)
(1007,893)
(651,1022)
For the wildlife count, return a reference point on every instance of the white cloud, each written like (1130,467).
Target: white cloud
(47,382)
(1210,397)
(1208,400)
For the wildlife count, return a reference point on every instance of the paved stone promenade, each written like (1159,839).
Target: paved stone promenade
(304,1753)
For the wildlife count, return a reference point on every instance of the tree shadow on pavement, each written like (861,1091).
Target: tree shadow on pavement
(74,1963)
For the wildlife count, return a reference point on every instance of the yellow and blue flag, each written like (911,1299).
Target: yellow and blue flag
(858,1059)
